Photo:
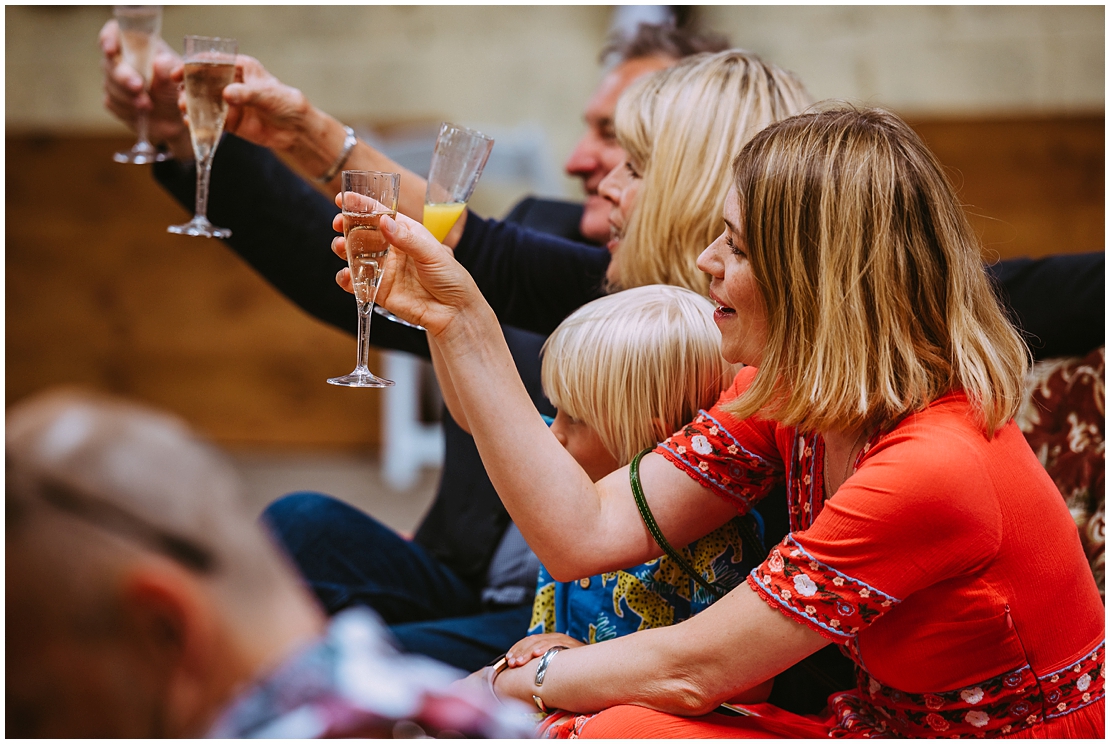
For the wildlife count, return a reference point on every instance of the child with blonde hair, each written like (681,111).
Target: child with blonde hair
(624,372)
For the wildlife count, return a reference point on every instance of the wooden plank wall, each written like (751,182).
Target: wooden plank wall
(98,293)
(1033,186)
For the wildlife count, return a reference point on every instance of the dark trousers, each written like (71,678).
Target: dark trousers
(349,558)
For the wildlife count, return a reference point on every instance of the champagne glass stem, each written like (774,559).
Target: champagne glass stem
(204,174)
(364,316)
(142,125)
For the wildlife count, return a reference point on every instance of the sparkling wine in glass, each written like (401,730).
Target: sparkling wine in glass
(457,162)
(139,29)
(367,195)
(209,68)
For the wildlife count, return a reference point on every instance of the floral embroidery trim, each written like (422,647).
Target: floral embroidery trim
(709,454)
(839,605)
(1076,685)
(805,498)
(1002,705)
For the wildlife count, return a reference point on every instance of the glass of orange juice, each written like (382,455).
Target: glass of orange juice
(457,162)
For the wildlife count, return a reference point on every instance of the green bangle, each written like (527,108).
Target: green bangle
(657,534)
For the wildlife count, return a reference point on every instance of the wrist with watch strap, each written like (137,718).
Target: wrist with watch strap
(349,143)
(500,664)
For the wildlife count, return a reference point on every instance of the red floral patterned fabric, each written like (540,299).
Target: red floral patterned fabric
(1005,704)
(1062,418)
(919,565)
(836,604)
(712,455)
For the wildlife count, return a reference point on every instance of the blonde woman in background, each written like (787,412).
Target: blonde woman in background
(680,129)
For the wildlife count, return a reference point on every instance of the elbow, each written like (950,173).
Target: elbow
(690,697)
(687,698)
(563,570)
(564,565)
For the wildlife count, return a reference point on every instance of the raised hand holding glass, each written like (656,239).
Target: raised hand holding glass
(209,68)
(367,195)
(139,29)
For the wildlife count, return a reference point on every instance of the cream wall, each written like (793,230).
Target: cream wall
(504,67)
(934,60)
(494,67)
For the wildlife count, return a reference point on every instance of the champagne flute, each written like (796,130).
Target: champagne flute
(457,162)
(209,68)
(139,29)
(367,195)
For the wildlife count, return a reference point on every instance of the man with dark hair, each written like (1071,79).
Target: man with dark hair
(653,47)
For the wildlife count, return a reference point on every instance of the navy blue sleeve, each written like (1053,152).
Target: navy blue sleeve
(532,280)
(549,216)
(1058,302)
(281,226)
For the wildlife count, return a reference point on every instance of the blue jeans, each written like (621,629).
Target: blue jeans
(349,558)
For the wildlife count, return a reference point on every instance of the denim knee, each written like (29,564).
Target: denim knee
(300,511)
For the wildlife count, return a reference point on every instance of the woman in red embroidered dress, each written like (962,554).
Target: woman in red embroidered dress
(926,538)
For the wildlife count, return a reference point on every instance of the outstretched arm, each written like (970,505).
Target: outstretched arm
(576,527)
(446,386)
(267,112)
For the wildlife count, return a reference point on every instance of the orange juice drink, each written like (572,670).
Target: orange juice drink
(440,218)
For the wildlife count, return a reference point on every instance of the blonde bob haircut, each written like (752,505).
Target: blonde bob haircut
(636,365)
(877,301)
(681,128)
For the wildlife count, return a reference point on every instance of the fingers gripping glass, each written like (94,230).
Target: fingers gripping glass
(140,27)
(457,162)
(209,68)
(367,195)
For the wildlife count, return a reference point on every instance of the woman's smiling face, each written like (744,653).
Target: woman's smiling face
(741,312)
(621,188)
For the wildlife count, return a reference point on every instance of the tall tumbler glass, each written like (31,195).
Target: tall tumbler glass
(209,68)
(140,27)
(458,159)
(367,195)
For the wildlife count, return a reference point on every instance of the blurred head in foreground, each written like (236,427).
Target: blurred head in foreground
(143,601)
(139,595)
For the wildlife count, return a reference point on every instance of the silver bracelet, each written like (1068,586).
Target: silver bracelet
(541,671)
(348,144)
